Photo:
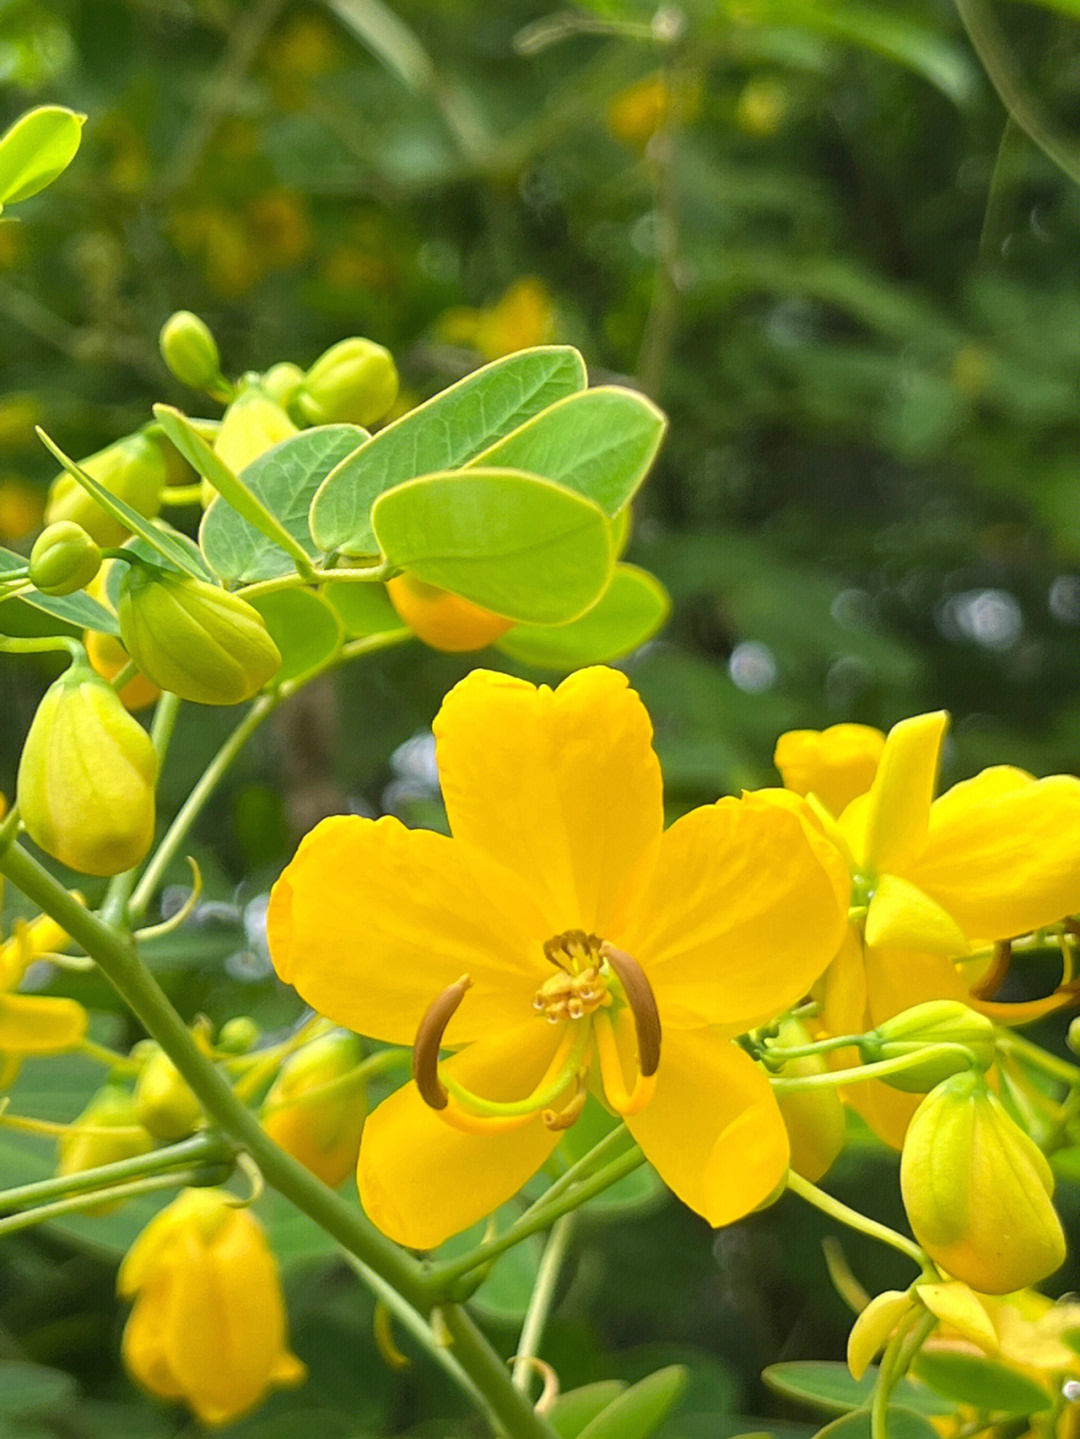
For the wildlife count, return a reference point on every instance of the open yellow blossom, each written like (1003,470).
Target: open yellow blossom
(32,1024)
(994,857)
(561,942)
(208,1325)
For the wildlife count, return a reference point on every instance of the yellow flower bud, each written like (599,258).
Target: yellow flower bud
(89,1141)
(977,1190)
(64,559)
(354,382)
(253,424)
(939,1021)
(442,620)
(312,1114)
(134,469)
(86,777)
(837,764)
(208,1325)
(190,351)
(281,382)
(163,1102)
(814,1117)
(194,639)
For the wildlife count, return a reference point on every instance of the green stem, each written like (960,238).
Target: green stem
(114,905)
(1015,1044)
(836,1209)
(180,1179)
(992,48)
(540,1216)
(110,1058)
(201,1149)
(783,1085)
(42,644)
(540,1302)
(118,959)
(189,811)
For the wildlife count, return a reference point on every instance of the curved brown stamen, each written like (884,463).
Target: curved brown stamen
(429,1033)
(996,975)
(642,1002)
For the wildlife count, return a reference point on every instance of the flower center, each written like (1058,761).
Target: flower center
(581,985)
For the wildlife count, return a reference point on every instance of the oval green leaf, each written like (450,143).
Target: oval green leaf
(901,1423)
(36,149)
(305,627)
(640,1410)
(574,1409)
(600,442)
(981,1382)
(284,479)
(444,432)
(365,608)
(829,1385)
(630,611)
(513,543)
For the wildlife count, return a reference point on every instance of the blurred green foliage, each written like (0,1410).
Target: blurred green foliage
(807,231)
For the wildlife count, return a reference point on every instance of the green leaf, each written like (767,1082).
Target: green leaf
(830,1386)
(631,610)
(364,607)
(230,487)
(639,1410)
(306,628)
(447,431)
(981,1382)
(574,1409)
(901,1423)
(31,1390)
(284,479)
(513,543)
(158,539)
(38,147)
(599,442)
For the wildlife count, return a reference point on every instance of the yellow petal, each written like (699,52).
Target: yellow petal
(738,918)
(900,797)
(901,916)
(712,1129)
(1003,852)
(836,764)
(421,1180)
(843,1005)
(562,787)
(872,1329)
(371,921)
(958,1306)
(899,979)
(143,1346)
(36,1024)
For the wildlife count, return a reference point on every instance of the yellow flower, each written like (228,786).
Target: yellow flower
(522,317)
(32,1024)
(836,765)
(1025,1330)
(560,941)
(994,857)
(208,1325)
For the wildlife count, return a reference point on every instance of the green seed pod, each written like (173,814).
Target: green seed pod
(190,351)
(86,777)
(355,382)
(939,1021)
(134,469)
(978,1191)
(164,1105)
(64,559)
(194,639)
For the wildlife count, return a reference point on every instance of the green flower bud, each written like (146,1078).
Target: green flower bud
(194,639)
(134,469)
(978,1191)
(313,1113)
(355,382)
(238,1035)
(939,1021)
(86,777)
(64,559)
(190,351)
(89,1143)
(282,381)
(164,1104)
